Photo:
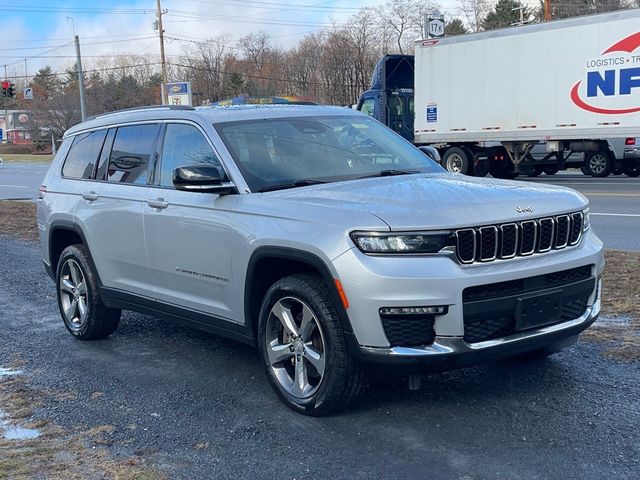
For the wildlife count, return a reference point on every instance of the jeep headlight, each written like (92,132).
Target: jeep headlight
(395,243)
(586,222)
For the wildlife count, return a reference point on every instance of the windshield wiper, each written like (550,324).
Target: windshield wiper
(297,183)
(389,173)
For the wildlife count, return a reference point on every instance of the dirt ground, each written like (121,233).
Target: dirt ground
(55,453)
(26,157)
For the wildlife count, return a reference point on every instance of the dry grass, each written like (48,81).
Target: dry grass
(18,219)
(620,298)
(56,453)
(25,157)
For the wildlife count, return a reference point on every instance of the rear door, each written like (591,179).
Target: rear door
(188,233)
(112,207)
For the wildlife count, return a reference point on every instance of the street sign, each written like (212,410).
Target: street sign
(28,93)
(179,93)
(435,26)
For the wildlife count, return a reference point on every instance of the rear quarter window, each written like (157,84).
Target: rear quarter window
(83,154)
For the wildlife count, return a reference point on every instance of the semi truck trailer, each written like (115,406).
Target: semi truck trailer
(520,100)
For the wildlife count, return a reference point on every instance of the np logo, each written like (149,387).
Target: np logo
(612,77)
(520,209)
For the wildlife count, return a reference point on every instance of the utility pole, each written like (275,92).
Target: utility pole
(83,108)
(521,22)
(547,10)
(163,62)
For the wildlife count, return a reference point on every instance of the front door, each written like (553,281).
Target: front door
(187,233)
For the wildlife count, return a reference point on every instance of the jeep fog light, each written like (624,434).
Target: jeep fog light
(437,310)
(398,243)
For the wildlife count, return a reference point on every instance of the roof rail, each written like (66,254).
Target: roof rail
(148,107)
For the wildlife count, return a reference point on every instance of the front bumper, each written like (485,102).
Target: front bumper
(448,353)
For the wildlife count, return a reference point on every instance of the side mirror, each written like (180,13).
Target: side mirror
(432,153)
(201,178)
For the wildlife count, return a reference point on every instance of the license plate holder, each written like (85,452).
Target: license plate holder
(538,310)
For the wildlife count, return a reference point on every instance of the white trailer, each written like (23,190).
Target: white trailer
(489,97)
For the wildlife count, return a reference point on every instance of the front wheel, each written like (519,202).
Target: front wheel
(303,347)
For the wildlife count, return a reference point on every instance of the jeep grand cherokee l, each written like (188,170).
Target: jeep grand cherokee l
(318,235)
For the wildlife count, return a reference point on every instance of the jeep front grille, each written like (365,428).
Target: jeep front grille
(518,239)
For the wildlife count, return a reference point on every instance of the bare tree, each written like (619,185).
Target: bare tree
(255,47)
(474,12)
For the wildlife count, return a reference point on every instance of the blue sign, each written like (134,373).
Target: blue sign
(432,113)
(178,88)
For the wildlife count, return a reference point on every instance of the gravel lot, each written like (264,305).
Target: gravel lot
(157,396)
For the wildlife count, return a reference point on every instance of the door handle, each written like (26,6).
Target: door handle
(158,203)
(91,196)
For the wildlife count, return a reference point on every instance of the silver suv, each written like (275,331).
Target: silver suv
(318,235)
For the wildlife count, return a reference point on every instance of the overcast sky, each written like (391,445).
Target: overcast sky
(39,30)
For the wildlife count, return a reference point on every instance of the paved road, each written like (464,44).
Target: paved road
(615,201)
(198,406)
(20,180)
(615,205)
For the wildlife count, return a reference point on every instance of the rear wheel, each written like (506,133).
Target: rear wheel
(632,168)
(599,164)
(304,349)
(83,312)
(458,160)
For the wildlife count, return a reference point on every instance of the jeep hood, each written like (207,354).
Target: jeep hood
(436,201)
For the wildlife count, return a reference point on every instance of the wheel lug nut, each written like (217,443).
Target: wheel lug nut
(291,348)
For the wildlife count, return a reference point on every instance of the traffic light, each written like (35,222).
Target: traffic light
(11,91)
(5,88)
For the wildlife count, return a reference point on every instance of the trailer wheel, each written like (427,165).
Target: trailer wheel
(458,160)
(550,170)
(599,164)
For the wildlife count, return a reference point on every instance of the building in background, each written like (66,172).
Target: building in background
(18,127)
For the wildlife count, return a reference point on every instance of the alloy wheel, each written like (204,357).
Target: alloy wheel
(598,163)
(296,347)
(74,296)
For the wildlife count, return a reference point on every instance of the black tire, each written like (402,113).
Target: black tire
(550,169)
(632,168)
(502,169)
(599,164)
(458,160)
(584,170)
(99,321)
(342,378)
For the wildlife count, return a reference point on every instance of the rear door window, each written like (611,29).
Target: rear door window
(83,155)
(132,149)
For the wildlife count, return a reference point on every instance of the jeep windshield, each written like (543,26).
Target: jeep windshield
(277,153)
